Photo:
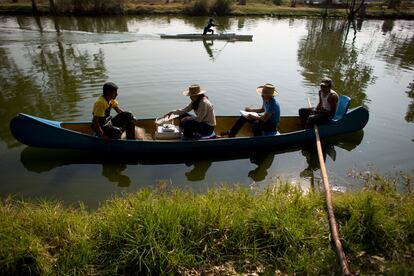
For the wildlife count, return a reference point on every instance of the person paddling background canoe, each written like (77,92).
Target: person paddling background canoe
(207,28)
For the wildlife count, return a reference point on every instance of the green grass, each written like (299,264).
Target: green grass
(226,230)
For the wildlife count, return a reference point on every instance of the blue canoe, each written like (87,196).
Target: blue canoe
(38,132)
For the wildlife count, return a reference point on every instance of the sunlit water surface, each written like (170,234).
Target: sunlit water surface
(55,67)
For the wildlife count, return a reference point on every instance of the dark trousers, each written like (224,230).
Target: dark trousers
(207,30)
(258,126)
(310,117)
(190,127)
(124,121)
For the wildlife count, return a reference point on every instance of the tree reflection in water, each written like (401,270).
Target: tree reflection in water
(409,117)
(48,82)
(325,52)
(398,52)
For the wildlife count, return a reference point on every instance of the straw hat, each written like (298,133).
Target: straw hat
(267,89)
(193,90)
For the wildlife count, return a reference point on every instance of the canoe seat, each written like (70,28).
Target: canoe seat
(343,105)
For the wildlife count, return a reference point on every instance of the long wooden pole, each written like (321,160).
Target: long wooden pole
(331,215)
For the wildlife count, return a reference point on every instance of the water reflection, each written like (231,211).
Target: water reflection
(47,83)
(199,170)
(96,24)
(213,53)
(43,160)
(409,117)
(325,51)
(207,45)
(398,50)
(113,172)
(54,67)
(17,88)
(263,161)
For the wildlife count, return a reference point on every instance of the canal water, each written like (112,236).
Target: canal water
(54,67)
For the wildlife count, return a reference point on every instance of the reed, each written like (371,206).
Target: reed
(226,230)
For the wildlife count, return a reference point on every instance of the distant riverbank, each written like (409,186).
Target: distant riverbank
(228,230)
(193,8)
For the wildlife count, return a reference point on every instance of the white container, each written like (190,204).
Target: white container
(167,132)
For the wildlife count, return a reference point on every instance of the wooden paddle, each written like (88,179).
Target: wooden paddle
(331,215)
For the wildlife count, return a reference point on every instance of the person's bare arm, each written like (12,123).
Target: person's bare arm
(333,102)
(265,117)
(118,109)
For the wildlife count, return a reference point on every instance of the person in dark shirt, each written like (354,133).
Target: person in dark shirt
(208,29)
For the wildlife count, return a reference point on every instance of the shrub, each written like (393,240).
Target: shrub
(221,7)
(199,7)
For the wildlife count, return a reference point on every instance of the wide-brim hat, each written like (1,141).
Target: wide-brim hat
(194,90)
(267,89)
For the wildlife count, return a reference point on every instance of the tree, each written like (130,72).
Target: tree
(354,6)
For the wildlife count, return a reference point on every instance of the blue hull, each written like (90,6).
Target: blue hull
(38,132)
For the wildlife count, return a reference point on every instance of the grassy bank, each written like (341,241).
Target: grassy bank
(228,230)
(199,7)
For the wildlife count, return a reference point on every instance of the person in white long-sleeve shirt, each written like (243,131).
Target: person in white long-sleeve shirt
(204,121)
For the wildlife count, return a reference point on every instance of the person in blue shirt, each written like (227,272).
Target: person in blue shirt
(208,29)
(261,123)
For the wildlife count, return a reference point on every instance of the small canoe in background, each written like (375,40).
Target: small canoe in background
(229,36)
(38,132)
